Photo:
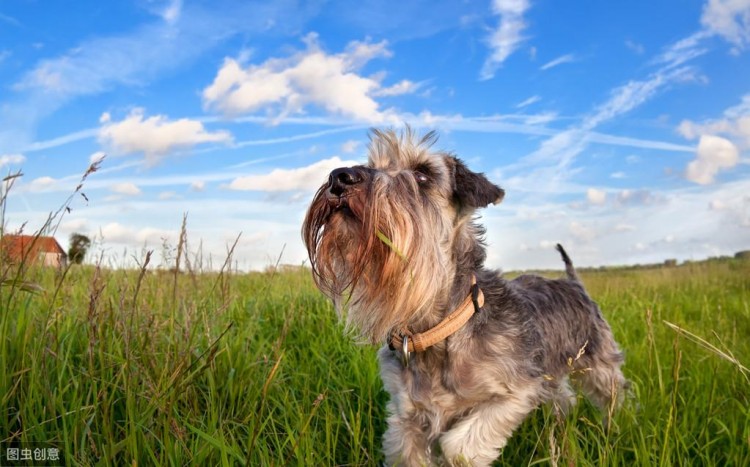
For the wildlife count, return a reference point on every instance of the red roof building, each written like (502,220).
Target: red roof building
(30,249)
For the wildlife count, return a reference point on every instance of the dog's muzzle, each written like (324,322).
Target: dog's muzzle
(340,183)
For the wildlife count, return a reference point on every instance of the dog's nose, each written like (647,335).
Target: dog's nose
(341,179)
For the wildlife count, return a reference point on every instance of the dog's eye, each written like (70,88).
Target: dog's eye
(421,178)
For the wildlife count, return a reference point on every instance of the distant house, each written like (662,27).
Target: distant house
(30,249)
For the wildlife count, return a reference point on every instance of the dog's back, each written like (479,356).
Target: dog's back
(572,330)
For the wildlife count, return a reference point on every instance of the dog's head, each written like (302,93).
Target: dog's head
(385,239)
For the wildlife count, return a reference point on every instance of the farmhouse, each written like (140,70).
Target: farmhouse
(30,249)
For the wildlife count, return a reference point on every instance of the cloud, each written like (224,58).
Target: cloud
(568,58)
(97,157)
(682,51)
(636,92)
(528,102)
(198,186)
(735,125)
(156,136)
(713,153)
(167,195)
(595,196)
(286,86)
(350,146)
(11,159)
(635,47)
(41,184)
(624,228)
(74,225)
(402,87)
(125,188)
(10,20)
(717,205)
(508,36)
(632,197)
(303,178)
(114,232)
(172,12)
(582,233)
(135,57)
(729,19)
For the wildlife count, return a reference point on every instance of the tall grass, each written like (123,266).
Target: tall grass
(153,367)
(188,367)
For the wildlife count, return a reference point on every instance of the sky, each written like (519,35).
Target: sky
(619,129)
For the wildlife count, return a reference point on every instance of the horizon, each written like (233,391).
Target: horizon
(620,135)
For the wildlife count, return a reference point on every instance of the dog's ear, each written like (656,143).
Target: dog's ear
(471,189)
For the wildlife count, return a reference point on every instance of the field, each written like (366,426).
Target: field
(158,367)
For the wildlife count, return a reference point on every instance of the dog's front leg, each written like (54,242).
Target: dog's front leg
(405,443)
(405,440)
(478,438)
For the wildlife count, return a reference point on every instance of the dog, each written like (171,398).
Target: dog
(466,355)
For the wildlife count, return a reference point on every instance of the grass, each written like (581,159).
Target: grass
(164,368)
(186,367)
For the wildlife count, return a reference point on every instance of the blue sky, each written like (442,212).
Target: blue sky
(621,129)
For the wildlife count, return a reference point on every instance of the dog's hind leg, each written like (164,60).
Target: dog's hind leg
(564,398)
(604,384)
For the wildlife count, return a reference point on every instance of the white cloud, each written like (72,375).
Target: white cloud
(198,185)
(718,152)
(402,87)
(633,94)
(546,244)
(717,205)
(528,102)
(114,232)
(567,58)
(595,196)
(508,36)
(638,197)
(582,233)
(41,184)
(167,195)
(134,57)
(713,153)
(125,188)
(735,125)
(11,159)
(97,157)
(156,136)
(350,146)
(74,225)
(303,178)
(729,19)
(172,11)
(682,51)
(635,47)
(285,86)
(539,119)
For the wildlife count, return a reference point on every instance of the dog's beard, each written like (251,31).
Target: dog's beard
(372,253)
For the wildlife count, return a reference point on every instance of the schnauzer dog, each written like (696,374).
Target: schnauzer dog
(466,354)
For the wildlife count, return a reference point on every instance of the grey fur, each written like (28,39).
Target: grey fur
(460,400)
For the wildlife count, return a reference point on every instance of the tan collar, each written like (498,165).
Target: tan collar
(409,342)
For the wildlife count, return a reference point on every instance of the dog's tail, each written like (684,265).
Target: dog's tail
(569,269)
